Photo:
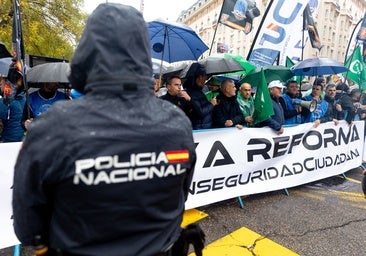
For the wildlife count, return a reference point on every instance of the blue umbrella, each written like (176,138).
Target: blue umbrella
(318,67)
(172,41)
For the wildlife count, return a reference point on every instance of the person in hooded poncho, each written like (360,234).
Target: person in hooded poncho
(12,102)
(107,174)
(201,116)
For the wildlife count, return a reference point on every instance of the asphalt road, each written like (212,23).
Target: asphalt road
(323,218)
(327,217)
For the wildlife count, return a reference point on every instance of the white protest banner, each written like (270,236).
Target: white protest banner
(364,150)
(234,162)
(279,33)
(8,155)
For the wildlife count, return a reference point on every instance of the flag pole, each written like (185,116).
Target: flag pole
(303,35)
(162,56)
(18,47)
(350,41)
(302,41)
(217,25)
(213,39)
(259,29)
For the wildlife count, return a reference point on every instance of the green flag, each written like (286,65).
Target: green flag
(289,64)
(262,103)
(356,66)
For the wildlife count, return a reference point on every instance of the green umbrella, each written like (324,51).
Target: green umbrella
(247,65)
(289,64)
(271,73)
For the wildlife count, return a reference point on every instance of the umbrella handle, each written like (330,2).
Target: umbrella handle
(161,71)
(162,56)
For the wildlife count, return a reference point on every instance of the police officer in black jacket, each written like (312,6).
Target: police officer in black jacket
(106,174)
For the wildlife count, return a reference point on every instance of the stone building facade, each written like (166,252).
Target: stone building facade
(335,21)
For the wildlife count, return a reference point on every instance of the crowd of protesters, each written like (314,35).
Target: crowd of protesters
(115,119)
(208,103)
(226,104)
(218,107)
(212,103)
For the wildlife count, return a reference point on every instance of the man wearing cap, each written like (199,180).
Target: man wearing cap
(201,117)
(277,119)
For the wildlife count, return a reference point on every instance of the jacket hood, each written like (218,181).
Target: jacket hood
(114,50)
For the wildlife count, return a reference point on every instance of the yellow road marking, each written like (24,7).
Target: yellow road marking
(192,216)
(356,205)
(351,198)
(353,180)
(297,192)
(243,242)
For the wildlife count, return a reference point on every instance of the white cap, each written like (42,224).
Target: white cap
(276,83)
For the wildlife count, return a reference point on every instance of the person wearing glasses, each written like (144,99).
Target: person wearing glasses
(201,117)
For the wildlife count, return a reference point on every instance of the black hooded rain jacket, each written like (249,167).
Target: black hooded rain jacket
(107,174)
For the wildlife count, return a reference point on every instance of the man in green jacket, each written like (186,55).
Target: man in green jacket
(246,102)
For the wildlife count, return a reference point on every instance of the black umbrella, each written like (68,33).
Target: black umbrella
(51,72)
(4,66)
(214,66)
(174,71)
(4,53)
